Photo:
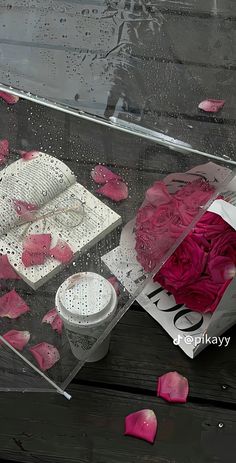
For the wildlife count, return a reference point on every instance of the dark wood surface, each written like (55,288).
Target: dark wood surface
(89,429)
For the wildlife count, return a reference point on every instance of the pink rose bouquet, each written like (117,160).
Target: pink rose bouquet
(201,268)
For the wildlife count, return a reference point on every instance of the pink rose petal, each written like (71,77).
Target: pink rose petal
(173,387)
(29,155)
(54,320)
(17,339)
(62,252)
(158,194)
(101,174)
(12,305)
(49,316)
(4,150)
(141,424)
(9,98)
(38,243)
(45,355)
(57,324)
(211,105)
(6,270)
(115,283)
(115,190)
(29,259)
(24,210)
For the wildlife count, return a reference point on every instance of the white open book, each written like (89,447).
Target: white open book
(68,212)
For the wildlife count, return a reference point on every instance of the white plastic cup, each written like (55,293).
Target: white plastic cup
(86,302)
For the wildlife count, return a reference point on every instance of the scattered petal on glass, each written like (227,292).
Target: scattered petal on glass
(62,252)
(29,155)
(101,174)
(4,150)
(141,424)
(173,387)
(9,98)
(54,320)
(38,244)
(46,355)
(115,283)
(57,324)
(29,259)
(12,305)
(49,316)
(211,105)
(24,210)
(115,190)
(17,339)
(6,270)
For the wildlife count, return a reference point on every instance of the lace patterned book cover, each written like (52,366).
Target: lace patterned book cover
(62,208)
(190,330)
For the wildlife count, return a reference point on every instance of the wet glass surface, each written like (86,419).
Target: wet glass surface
(141,62)
(139,66)
(74,147)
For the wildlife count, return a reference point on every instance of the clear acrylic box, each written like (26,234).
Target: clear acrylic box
(88,105)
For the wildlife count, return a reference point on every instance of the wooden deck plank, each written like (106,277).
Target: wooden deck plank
(141,351)
(90,428)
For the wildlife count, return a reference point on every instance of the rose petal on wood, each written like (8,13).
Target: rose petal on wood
(9,98)
(62,252)
(4,150)
(24,210)
(12,305)
(17,339)
(101,174)
(6,270)
(141,424)
(38,243)
(115,283)
(46,355)
(115,190)
(211,105)
(29,259)
(53,319)
(29,155)
(173,387)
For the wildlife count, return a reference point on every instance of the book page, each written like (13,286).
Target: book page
(37,181)
(75,216)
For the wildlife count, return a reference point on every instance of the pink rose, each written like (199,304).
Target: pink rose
(144,215)
(191,197)
(158,194)
(221,268)
(153,233)
(202,296)
(199,189)
(222,257)
(184,266)
(224,245)
(160,222)
(211,225)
